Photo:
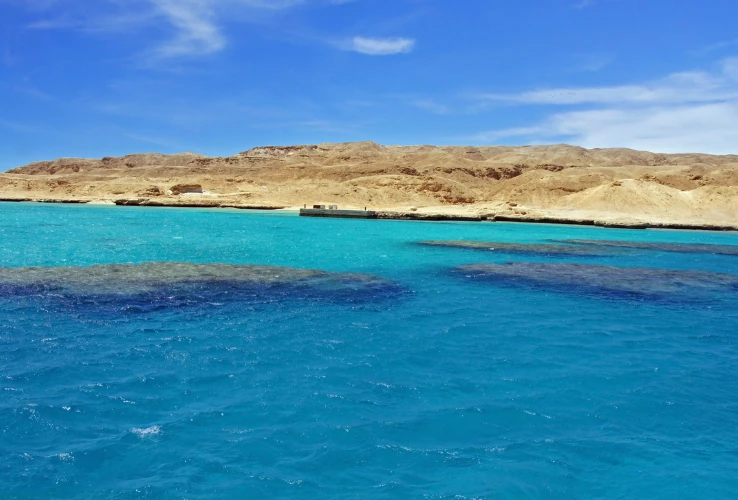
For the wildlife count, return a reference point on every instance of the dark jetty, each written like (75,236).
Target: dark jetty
(662,247)
(428,217)
(546,249)
(637,282)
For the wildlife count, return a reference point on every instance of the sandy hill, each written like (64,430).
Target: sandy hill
(559,180)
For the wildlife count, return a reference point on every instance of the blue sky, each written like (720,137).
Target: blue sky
(110,77)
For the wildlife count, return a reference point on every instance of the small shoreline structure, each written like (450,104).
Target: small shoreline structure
(333,211)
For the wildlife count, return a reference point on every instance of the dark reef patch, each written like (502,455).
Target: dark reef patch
(545,249)
(622,282)
(663,247)
(158,285)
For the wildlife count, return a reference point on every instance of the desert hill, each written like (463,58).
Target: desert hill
(556,180)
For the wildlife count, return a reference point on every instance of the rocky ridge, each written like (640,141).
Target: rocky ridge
(557,182)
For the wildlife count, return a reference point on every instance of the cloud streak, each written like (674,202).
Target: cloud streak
(194,26)
(432,106)
(188,28)
(693,86)
(709,128)
(196,29)
(683,112)
(380,46)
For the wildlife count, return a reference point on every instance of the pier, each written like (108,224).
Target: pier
(341,214)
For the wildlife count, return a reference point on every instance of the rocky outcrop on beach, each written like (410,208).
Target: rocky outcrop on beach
(609,187)
(186,189)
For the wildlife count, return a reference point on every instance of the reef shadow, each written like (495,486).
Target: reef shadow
(541,249)
(161,285)
(657,246)
(607,281)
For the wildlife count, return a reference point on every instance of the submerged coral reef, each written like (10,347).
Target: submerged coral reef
(604,280)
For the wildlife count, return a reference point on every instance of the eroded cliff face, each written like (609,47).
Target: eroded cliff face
(509,179)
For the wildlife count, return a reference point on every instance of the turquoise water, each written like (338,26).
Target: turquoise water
(439,386)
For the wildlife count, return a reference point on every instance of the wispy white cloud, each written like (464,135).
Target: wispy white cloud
(379,46)
(684,112)
(730,69)
(194,26)
(691,86)
(708,128)
(594,63)
(186,28)
(432,106)
(707,49)
(197,23)
(19,127)
(27,88)
(54,23)
(32,91)
(583,4)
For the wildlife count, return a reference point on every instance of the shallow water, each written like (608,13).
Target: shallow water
(440,386)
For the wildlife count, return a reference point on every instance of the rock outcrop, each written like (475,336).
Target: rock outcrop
(558,183)
(186,189)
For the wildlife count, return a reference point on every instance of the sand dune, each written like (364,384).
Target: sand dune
(531,181)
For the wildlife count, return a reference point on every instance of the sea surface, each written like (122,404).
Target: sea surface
(402,371)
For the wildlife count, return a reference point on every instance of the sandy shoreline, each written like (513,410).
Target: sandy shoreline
(431,214)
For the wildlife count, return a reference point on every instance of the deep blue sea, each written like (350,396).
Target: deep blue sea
(423,381)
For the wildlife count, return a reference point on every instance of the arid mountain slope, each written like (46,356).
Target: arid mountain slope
(556,179)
